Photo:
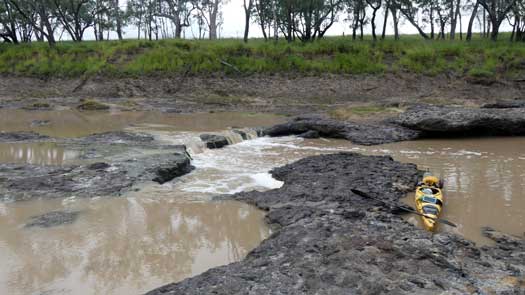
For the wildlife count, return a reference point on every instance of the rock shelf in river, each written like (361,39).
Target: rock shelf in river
(330,241)
(417,122)
(127,166)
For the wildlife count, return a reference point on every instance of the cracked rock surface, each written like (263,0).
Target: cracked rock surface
(330,241)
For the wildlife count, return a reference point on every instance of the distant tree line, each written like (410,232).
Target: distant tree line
(305,20)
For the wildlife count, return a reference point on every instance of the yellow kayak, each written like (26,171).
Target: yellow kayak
(429,200)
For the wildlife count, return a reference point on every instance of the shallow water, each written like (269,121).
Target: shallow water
(39,153)
(121,245)
(71,123)
(165,233)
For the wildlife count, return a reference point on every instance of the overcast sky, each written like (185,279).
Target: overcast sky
(233,26)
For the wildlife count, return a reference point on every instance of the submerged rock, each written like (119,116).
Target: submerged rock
(98,166)
(40,123)
(213,141)
(433,121)
(54,218)
(359,133)
(330,241)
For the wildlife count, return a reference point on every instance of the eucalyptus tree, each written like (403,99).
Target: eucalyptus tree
(473,6)
(40,14)
(497,12)
(357,17)
(375,5)
(210,12)
(75,16)
(411,11)
(8,23)
(264,16)
(178,12)
(248,10)
(314,18)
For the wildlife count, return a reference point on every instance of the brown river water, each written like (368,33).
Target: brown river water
(165,233)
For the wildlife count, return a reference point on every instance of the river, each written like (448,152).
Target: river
(165,233)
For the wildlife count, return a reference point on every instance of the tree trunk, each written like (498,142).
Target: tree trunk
(431,16)
(118,19)
(471,21)
(247,15)
(454,13)
(396,23)
(387,8)
(374,24)
(495,29)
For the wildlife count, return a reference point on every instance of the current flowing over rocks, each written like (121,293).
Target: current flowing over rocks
(330,241)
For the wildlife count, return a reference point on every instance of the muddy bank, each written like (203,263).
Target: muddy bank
(113,163)
(330,241)
(262,93)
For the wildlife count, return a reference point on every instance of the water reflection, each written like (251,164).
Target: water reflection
(124,245)
(42,153)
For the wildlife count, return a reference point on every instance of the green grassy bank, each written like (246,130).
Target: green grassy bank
(479,58)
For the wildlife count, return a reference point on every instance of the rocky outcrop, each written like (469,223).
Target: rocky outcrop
(178,166)
(118,161)
(21,136)
(434,121)
(214,141)
(330,241)
(52,219)
(359,133)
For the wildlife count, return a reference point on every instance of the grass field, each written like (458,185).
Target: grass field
(338,55)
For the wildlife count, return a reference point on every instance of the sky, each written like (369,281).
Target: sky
(233,25)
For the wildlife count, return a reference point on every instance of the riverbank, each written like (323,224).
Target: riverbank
(281,93)
(336,55)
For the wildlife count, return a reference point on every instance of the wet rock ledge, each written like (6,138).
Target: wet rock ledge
(115,163)
(330,241)
(417,122)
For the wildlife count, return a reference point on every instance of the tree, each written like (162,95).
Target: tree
(374,5)
(264,16)
(75,16)
(410,10)
(357,16)
(44,23)
(473,15)
(497,12)
(210,12)
(314,18)
(178,12)
(248,9)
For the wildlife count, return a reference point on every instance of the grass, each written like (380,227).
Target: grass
(337,55)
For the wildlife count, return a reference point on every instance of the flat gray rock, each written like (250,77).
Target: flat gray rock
(434,121)
(329,241)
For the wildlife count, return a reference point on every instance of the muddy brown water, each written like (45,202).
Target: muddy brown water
(71,123)
(165,233)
